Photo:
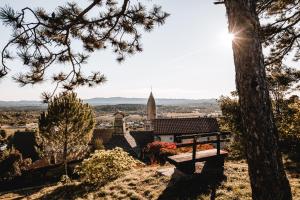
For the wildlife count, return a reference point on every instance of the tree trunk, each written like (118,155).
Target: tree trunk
(266,171)
(65,158)
(65,153)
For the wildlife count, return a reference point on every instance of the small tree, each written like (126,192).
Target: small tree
(67,123)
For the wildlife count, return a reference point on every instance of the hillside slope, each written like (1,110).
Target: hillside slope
(146,183)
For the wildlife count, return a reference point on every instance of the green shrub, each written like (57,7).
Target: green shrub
(105,165)
(4,154)
(10,165)
(26,143)
(287,120)
(231,121)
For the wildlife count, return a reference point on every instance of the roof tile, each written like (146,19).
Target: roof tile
(181,126)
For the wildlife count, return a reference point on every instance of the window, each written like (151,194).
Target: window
(157,138)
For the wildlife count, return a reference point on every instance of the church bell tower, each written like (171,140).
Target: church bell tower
(151,113)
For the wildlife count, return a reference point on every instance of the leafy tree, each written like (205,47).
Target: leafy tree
(48,38)
(67,124)
(289,127)
(231,121)
(282,81)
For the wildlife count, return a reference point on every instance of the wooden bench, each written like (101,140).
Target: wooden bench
(214,158)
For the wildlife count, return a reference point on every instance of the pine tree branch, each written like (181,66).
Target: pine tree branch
(48,38)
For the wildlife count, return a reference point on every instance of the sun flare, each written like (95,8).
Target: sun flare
(226,38)
(230,36)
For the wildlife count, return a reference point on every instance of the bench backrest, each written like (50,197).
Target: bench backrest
(195,143)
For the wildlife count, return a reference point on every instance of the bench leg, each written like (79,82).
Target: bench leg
(215,166)
(187,168)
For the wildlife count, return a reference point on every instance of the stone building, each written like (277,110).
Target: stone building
(119,124)
(117,136)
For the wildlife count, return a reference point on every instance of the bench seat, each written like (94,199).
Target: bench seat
(205,155)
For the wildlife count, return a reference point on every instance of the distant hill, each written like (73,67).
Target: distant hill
(22,103)
(116,101)
(159,101)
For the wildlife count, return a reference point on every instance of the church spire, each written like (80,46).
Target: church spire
(151,107)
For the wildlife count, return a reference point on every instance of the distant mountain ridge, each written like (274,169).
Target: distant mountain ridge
(115,101)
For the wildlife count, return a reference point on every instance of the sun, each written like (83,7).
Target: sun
(230,36)
(226,38)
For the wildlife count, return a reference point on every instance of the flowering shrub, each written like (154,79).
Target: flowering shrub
(105,165)
(203,147)
(156,146)
(159,151)
(200,147)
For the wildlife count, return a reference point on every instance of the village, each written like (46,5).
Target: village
(134,125)
(134,137)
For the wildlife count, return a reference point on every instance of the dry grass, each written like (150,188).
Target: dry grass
(139,184)
(237,185)
(146,183)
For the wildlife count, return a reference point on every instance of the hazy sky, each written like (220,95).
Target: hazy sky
(188,57)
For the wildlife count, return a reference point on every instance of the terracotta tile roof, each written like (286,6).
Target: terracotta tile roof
(181,126)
